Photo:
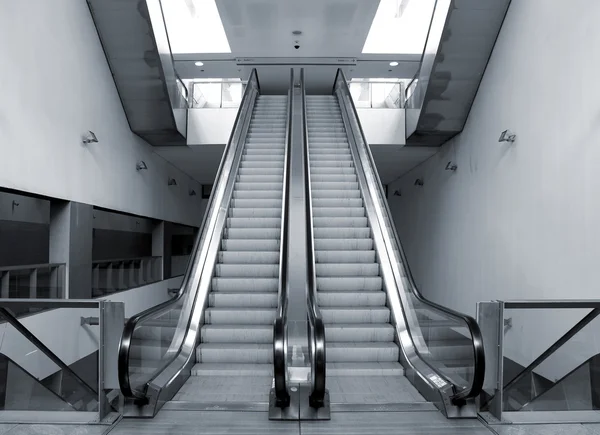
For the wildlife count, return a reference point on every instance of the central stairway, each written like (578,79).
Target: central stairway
(360,338)
(234,358)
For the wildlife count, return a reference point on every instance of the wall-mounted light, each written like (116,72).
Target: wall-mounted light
(192,192)
(394,63)
(199,63)
(89,138)
(141,166)
(14,204)
(451,166)
(172,182)
(419,182)
(507,136)
(397,193)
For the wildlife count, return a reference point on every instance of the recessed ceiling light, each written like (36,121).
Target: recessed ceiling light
(199,63)
(394,63)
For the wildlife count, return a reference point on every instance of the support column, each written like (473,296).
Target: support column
(161,247)
(71,231)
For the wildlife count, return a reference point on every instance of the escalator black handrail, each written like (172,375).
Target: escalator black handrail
(476,337)
(29,336)
(316,326)
(282,394)
(133,322)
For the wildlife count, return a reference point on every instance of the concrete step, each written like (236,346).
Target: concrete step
(234,353)
(361,315)
(240,316)
(344,284)
(237,334)
(347,269)
(351,332)
(232,369)
(244,284)
(364,369)
(362,352)
(242,300)
(338,256)
(351,299)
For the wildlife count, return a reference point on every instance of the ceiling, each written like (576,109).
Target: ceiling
(333,33)
(330,28)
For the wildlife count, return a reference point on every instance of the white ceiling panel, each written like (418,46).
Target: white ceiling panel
(330,28)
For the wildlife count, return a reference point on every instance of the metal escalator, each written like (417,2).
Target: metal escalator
(213,342)
(377,325)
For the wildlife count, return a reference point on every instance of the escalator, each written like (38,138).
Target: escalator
(213,343)
(381,334)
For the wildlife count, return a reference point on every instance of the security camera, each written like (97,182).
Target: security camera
(296,46)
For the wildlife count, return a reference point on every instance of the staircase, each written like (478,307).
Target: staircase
(234,358)
(360,338)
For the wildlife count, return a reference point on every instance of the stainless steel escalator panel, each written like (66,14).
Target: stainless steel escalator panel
(415,318)
(174,366)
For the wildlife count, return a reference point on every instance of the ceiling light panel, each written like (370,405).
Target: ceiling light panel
(195,26)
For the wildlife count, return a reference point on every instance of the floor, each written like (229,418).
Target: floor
(424,422)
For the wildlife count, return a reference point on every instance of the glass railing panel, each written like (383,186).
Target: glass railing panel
(153,339)
(550,346)
(59,359)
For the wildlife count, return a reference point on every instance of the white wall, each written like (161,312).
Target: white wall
(213,126)
(383,126)
(62,332)
(210,126)
(56,85)
(517,221)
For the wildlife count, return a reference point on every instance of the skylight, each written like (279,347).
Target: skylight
(399,27)
(195,26)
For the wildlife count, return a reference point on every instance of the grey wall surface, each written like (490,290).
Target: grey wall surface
(518,221)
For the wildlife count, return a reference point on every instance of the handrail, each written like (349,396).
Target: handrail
(471,323)
(30,266)
(316,326)
(125,346)
(280,324)
(45,350)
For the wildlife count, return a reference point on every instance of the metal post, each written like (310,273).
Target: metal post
(490,316)
(4,284)
(33,284)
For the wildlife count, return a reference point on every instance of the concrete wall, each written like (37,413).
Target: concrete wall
(518,221)
(56,85)
(383,126)
(210,126)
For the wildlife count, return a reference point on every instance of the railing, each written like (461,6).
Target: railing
(544,357)
(424,328)
(316,326)
(34,281)
(50,370)
(280,342)
(110,276)
(217,94)
(376,94)
(155,375)
(182,97)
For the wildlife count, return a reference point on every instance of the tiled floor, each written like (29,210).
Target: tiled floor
(51,429)
(214,389)
(548,429)
(372,390)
